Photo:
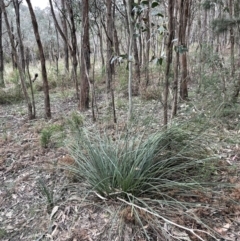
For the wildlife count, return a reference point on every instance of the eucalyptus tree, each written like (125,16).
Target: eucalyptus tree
(227,25)
(109,62)
(16,4)
(109,33)
(236,15)
(176,62)
(131,22)
(169,50)
(42,59)
(72,43)
(2,84)
(16,57)
(115,32)
(147,22)
(65,32)
(85,58)
(70,6)
(130,59)
(232,37)
(184,8)
(136,52)
(97,12)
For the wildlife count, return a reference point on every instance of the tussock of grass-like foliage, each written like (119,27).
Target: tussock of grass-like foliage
(139,165)
(158,177)
(12,95)
(151,93)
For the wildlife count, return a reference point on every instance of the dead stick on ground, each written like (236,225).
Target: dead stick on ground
(166,220)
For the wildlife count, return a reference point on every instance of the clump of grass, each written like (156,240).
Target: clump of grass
(137,165)
(228,110)
(151,93)
(51,133)
(12,95)
(47,192)
(75,122)
(159,176)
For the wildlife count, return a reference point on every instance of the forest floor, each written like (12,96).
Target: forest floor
(26,168)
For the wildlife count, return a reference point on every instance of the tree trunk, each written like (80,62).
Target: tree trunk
(140,43)
(168,59)
(42,59)
(137,77)
(65,31)
(115,35)
(85,58)
(2,84)
(237,87)
(27,54)
(130,59)
(14,61)
(232,38)
(101,45)
(200,38)
(176,66)
(184,12)
(20,42)
(74,45)
(21,68)
(109,66)
(147,45)
(56,53)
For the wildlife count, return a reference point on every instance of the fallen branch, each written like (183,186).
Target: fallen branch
(168,221)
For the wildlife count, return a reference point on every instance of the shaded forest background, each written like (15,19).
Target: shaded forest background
(168,46)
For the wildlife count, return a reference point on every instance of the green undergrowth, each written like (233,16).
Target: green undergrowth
(12,95)
(52,135)
(138,164)
(171,168)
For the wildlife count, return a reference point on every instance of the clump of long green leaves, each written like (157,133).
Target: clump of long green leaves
(156,178)
(140,164)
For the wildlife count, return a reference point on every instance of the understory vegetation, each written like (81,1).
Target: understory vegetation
(138,179)
(120,120)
